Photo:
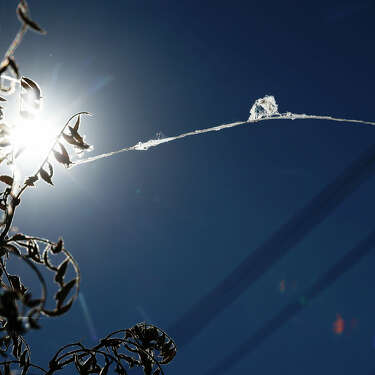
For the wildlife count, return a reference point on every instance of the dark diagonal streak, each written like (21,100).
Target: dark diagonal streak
(273,249)
(342,266)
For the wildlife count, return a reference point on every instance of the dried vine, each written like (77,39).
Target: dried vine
(144,345)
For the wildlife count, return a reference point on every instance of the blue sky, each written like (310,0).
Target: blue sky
(156,232)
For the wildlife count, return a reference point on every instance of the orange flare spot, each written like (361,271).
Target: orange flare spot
(338,325)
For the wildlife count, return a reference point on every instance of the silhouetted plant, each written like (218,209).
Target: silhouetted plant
(144,345)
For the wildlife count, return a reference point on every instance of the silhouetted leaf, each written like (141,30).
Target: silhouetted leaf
(63,151)
(25,19)
(70,139)
(62,158)
(45,176)
(76,125)
(33,251)
(76,135)
(31,180)
(50,168)
(15,348)
(29,84)
(23,358)
(59,246)
(2,99)
(7,180)
(83,146)
(15,282)
(64,291)
(59,277)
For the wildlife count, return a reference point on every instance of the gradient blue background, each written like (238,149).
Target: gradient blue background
(155,231)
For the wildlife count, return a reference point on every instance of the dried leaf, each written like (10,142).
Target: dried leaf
(76,125)
(68,138)
(28,84)
(59,246)
(50,168)
(71,140)
(75,135)
(25,19)
(31,180)
(59,277)
(83,146)
(63,151)
(45,176)
(33,251)
(64,291)
(15,282)
(23,358)
(61,158)
(7,180)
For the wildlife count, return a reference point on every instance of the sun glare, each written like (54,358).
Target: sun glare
(34,137)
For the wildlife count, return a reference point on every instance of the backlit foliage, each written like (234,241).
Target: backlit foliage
(144,346)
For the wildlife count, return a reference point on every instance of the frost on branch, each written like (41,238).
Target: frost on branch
(263,107)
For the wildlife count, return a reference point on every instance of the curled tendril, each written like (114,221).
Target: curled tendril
(18,308)
(142,346)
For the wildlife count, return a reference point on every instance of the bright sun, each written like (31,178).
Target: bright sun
(35,137)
